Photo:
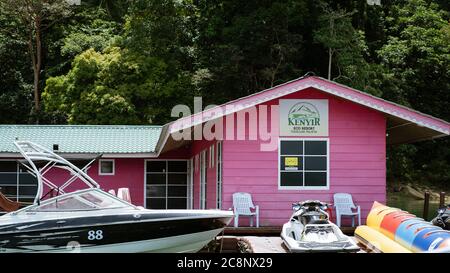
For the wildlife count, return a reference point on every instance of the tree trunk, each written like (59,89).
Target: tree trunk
(36,57)
(330,57)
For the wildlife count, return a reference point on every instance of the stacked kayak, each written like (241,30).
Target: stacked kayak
(391,230)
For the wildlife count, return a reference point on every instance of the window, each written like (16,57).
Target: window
(16,183)
(167,184)
(106,167)
(303,164)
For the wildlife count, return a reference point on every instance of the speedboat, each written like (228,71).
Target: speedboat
(309,230)
(92,220)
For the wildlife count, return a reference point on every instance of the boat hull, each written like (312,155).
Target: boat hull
(188,243)
(177,234)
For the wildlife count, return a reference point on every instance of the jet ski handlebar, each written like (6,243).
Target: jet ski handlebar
(310,205)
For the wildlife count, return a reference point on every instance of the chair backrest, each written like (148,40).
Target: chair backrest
(113,192)
(343,202)
(124,194)
(242,202)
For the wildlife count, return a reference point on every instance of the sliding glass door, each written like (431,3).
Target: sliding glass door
(167,184)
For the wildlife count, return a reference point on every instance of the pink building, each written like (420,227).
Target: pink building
(305,139)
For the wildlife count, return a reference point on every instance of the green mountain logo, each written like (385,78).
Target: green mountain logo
(304,114)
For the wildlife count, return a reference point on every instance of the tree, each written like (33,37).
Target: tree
(347,50)
(115,87)
(36,16)
(247,46)
(417,58)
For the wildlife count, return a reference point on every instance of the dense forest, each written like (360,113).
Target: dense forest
(130,61)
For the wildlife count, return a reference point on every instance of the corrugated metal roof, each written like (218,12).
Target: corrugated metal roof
(83,138)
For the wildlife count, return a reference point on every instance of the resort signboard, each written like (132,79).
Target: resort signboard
(303,117)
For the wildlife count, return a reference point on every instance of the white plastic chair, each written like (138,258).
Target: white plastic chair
(242,205)
(124,194)
(113,192)
(343,202)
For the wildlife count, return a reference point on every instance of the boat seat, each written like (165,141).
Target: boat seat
(7,204)
(124,194)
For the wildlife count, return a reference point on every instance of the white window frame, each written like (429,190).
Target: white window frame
(211,156)
(313,188)
(100,166)
(203,175)
(219,176)
(196,163)
(190,201)
(189,184)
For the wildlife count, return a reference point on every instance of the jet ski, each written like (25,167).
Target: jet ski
(443,218)
(309,230)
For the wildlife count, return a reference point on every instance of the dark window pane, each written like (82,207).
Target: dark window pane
(315,179)
(291,147)
(315,148)
(177,179)
(315,163)
(8,179)
(8,166)
(291,163)
(27,190)
(27,179)
(9,190)
(177,166)
(156,166)
(176,203)
(156,178)
(156,203)
(26,199)
(291,179)
(177,191)
(156,191)
(106,167)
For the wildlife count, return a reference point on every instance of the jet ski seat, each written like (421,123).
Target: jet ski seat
(319,222)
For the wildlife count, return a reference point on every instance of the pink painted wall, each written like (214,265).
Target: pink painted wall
(129,173)
(357,162)
(196,148)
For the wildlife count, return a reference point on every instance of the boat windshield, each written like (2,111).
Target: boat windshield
(85,200)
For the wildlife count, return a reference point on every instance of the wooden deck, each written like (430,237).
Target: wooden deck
(269,231)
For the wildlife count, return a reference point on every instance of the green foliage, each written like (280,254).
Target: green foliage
(347,50)
(417,55)
(247,46)
(96,32)
(114,87)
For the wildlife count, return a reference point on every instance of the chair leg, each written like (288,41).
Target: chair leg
(338,220)
(236,220)
(353,221)
(251,221)
(257,221)
(359,219)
